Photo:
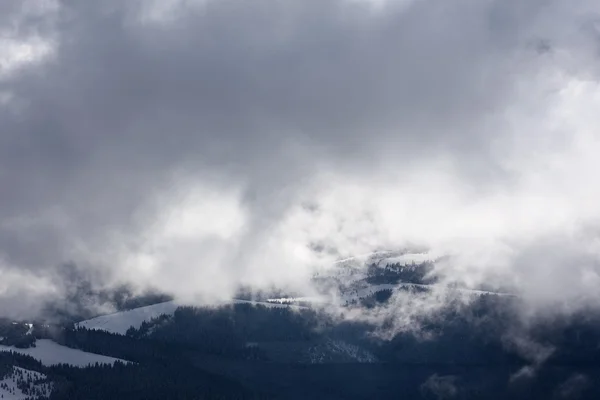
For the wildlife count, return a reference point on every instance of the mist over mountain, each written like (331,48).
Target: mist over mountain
(388,329)
(396,195)
(205,146)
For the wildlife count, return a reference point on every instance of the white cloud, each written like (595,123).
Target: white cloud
(18,53)
(465,127)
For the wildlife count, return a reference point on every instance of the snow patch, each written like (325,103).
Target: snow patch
(364,257)
(121,321)
(290,300)
(263,303)
(23,384)
(50,353)
(407,259)
(357,293)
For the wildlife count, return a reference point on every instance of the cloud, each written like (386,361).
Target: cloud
(202,145)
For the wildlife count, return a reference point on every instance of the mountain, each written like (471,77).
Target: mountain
(291,346)
(51,353)
(378,275)
(23,384)
(120,322)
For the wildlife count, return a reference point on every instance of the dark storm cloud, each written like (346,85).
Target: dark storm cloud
(233,86)
(251,98)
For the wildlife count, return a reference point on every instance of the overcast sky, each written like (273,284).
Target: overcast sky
(199,145)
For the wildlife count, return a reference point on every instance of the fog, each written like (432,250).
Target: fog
(200,146)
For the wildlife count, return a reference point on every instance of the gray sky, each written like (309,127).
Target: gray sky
(198,145)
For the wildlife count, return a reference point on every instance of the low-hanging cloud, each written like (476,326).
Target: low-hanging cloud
(203,145)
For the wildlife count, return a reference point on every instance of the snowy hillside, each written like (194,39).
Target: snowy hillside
(359,292)
(354,268)
(387,257)
(121,321)
(51,353)
(23,384)
(353,279)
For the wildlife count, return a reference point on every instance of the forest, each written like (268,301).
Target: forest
(255,352)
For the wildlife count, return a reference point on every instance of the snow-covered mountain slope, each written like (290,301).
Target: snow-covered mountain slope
(23,384)
(350,280)
(261,303)
(120,322)
(292,300)
(50,353)
(407,259)
(352,269)
(354,278)
(361,258)
(358,292)
(388,257)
